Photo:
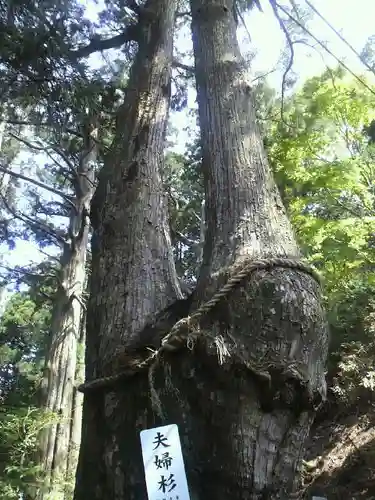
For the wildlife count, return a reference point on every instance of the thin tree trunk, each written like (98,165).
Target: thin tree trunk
(77,410)
(133,275)
(7,191)
(58,390)
(2,125)
(4,181)
(77,407)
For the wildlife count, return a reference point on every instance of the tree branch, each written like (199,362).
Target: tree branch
(183,14)
(58,165)
(98,45)
(21,270)
(185,67)
(291,58)
(58,152)
(130,34)
(132,5)
(340,36)
(37,183)
(27,143)
(342,205)
(62,155)
(46,125)
(259,77)
(49,257)
(31,222)
(80,301)
(183,239)
(324,46)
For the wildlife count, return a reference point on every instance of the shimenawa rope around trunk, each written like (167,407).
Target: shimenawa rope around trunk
(182,330)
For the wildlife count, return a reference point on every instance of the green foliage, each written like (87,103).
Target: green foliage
(325,177)
(23,331)
(183,183)
(19,431)
(35,45)
(324,166)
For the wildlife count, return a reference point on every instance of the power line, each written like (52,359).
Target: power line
(324,46)
(312,7)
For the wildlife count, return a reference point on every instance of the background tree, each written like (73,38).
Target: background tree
(24,327)
(323,161)
(59,453)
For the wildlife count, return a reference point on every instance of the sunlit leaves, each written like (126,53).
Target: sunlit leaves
(321,164)
(19,432)
(324,165)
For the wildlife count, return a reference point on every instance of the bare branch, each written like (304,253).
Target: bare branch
(46,125)
(291,58)
(340,36)
(28,143)
(240,16)
(183,14)
(80,301)
(132,5)
(98,44)
(183,239)
(259,77)
(33,222)
(185,67)
(324,46)
(53,159)
(58,152)
(50,257)
(61,153)
(22,270)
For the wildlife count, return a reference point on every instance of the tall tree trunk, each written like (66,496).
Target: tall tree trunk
(133,275)
(243,417)
(58,389)
(275,318)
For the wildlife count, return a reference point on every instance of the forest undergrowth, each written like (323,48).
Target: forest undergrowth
(340,454)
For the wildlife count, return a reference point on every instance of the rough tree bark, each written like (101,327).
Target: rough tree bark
(276,316)
(245,394)
(133,276)
(59,441)
(77,408)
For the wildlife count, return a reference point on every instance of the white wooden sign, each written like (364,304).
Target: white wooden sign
(164,464)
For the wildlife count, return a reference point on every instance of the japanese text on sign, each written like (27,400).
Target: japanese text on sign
(164,464)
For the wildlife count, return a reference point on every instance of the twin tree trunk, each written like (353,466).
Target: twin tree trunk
(59,443)
(242,434)
(133,276)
